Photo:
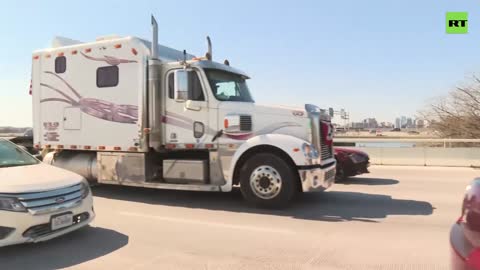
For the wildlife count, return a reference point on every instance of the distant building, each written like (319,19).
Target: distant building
(409,123)
(386,125)
(357,125)
(370,123)
(403,122)
(398,123)
(419,123)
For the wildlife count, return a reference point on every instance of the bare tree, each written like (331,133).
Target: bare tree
(458,114)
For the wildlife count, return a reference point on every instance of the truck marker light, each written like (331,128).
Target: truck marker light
(209,145)
(88,50)
(117,46)
(189,145)
(171,146)
(48,56)
(60,54)
(133,149)
(225,123)
(117,148)
(134,51)
(146,130)
(36,57)
(296,149)
(60,146)
(101,148)
(87,147)
(73,147)
(74,52)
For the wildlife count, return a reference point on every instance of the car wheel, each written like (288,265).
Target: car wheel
(268,181)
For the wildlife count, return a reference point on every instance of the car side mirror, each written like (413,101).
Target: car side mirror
(181,85)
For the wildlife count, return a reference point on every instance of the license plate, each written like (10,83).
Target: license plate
(61,221)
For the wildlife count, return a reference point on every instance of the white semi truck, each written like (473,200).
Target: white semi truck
(125,111)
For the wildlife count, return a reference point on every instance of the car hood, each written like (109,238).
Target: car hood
(349,151)
(35,178)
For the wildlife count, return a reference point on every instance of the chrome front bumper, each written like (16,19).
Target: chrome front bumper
(317,178)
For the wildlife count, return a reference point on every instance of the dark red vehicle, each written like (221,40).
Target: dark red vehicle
(350,162)
(465,233)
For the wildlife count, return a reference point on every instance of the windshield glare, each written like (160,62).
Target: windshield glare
(11,155)
(228,86)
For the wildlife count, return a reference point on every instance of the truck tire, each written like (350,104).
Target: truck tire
(268,181)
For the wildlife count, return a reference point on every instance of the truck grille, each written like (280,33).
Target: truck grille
(326,150)
(50,201)
(329,175)
(245,123)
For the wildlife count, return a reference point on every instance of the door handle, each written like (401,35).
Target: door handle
(190,105)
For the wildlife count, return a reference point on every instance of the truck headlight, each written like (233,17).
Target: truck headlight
(85,189)
(11,204)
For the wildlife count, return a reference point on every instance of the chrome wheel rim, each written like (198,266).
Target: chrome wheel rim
(266,182)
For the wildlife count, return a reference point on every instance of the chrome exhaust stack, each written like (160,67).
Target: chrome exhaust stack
(154,38)
(209,55)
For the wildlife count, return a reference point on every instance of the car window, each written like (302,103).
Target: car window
(195,91)
(11,155)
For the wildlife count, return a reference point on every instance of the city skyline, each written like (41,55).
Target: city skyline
(372,122)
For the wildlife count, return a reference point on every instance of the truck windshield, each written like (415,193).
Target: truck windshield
(228,86)
(11,156)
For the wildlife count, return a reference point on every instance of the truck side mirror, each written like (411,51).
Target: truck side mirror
(181,85)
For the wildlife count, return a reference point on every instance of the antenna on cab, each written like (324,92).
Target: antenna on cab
(209,55)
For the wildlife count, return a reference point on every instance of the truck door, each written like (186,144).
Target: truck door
(187,110)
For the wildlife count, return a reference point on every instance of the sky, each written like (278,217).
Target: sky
(374,58)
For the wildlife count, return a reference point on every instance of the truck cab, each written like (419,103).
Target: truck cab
(142,114)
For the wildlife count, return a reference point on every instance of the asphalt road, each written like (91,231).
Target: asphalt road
(393,218)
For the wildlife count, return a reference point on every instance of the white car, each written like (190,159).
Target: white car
(37,201)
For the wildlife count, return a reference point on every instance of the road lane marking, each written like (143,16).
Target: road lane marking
(207,223)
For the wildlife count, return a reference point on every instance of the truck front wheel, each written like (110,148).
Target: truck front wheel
(267,180)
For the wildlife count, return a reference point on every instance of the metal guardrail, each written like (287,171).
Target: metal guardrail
(427,140)
(420,151)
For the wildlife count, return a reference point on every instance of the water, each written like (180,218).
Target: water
(385,144)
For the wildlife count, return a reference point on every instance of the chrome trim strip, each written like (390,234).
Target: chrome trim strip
(167,186)
(42,195)
(54,208)
(52,200)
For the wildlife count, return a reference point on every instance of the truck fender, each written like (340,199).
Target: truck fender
(291,146)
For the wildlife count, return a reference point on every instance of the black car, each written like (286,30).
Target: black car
(350,162)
